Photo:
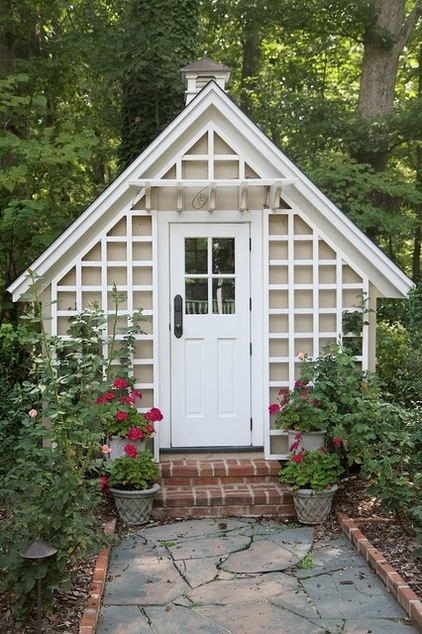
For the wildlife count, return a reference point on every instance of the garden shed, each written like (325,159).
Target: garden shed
(238,261)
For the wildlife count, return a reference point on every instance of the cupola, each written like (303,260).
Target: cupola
(197,75)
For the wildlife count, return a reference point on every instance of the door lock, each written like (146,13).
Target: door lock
(178,316)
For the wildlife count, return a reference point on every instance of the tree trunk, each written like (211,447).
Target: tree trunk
(249,70)
(7,38)
(380,58)
(384,40)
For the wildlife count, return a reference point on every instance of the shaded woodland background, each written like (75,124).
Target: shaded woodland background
(86,86)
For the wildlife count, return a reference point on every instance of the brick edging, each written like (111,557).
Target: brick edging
(88,622)
(394,583)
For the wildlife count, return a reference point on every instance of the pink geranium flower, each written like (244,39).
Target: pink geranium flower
(154,415)
(135,434)
(33,413)
(120,383)
(298,457)
(274,408)
(104,484)
(105,398)
(121,415)
(130,450)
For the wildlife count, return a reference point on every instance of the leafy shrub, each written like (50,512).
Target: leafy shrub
(348,394)
(48,491)
(45,498)
(15,354)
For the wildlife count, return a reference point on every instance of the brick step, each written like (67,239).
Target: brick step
(193,471)
(235,500)
(221,488)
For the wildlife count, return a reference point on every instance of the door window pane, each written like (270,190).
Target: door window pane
(196,296)
(209,276)
(223,296)
(223,255)
(196,256)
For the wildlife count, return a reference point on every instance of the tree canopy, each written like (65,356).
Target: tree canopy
(84,87)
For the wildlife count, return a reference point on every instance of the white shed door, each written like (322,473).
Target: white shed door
(210,352)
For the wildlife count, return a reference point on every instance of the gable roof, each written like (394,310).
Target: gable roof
(212,106)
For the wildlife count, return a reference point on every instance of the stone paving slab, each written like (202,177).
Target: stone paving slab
(242,577)
(190,529)
(334,554)
(350,593)
(211,546)
(197,572)
(259,558)
(240,591)
(365,626)
(259,617)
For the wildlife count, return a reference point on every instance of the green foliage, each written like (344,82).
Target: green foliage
(51,486)
(348,395)
(15,354)
(155,45)
(392,460)
(312,469)
(405,379)
(299,409)
(379,204)
(132,473)
(45,498)
(307,563)
(391,356)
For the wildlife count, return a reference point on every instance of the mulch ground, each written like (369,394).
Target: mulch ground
(395,540)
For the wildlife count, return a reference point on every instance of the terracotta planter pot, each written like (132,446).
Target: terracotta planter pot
(309,439)
(311,507)
(135,507)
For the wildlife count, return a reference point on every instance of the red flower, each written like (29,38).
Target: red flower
(105,398)
(121,415)
(297,457)
(154,414)
(131,398)
(104,484)
(274,408)
(130,450)
(337,442)
(149,429)
(120,383)
(316,402)
(135,434)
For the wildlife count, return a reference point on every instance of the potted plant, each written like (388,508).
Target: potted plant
(132,480)
(299,411)
(121,420)
(312,476)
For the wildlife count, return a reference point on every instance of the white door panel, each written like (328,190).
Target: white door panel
(210,356)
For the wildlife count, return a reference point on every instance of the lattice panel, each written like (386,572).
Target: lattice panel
(311,288)
(122,256)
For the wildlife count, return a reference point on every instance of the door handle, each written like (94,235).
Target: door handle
(178,316)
